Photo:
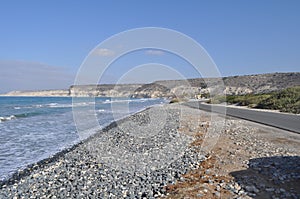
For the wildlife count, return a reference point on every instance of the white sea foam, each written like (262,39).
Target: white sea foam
(3,119)
(38,130)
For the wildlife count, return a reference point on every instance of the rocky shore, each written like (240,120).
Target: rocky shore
(157,154)
(85,172)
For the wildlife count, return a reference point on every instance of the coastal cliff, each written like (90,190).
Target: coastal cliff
(44,93)
(106,90)
(234,85)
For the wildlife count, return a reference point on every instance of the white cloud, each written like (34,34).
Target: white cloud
(154,52)
(25,75)
(104,52)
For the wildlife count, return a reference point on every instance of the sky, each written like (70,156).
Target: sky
(44,43)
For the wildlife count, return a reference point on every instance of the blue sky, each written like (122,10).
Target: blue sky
(242,37)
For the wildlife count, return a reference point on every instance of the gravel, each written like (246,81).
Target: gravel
(272,168)
(138,156)
(131,158)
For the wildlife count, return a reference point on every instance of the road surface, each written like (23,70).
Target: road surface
(288,122)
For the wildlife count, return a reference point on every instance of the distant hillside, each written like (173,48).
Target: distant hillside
(264,83)
(106,90)
(235,85)
(46,93)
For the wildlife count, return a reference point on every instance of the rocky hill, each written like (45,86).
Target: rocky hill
(235,85)
(263,83)
(106,90)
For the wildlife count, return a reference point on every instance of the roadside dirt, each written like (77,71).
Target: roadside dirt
(247,161)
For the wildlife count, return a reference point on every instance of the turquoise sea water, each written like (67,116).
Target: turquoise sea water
(33,128)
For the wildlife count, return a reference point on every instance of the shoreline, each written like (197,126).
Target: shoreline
(84,162)
(17,175)
(231,170)
(19,171)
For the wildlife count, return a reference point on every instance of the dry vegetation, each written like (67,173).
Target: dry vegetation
(287,100)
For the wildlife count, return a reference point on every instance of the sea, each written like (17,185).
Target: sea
(34,128)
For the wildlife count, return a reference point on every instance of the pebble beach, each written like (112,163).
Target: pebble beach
(134,158)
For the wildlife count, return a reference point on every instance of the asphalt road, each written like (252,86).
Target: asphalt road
(288,122)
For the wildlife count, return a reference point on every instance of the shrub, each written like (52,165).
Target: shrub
(287,100)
